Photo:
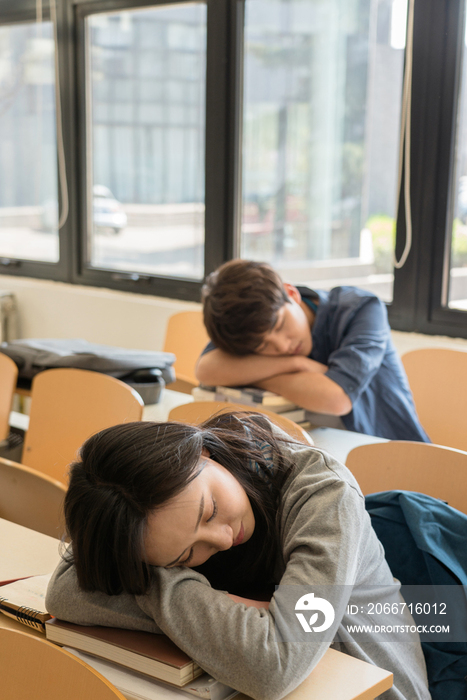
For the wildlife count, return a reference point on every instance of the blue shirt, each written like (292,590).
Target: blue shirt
(351,335)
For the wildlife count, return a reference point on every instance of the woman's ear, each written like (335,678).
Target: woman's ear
(205,452)
(292,292)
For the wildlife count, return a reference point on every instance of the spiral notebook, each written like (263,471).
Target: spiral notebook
(24,600)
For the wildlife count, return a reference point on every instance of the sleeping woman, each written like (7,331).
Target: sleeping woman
(186,529)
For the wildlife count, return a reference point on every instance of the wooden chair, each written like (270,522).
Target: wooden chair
(437,471)
(8,377)
(198,411)
(31,499)
(34,669)
(186,337)
(67,407)
(438,380)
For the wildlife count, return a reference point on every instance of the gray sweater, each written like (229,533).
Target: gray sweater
(325,538)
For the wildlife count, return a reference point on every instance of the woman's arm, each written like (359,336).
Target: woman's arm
(67,601)
(234,642)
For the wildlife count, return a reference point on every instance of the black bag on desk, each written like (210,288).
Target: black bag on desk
(139,368)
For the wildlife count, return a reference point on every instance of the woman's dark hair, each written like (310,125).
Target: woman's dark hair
(127,471)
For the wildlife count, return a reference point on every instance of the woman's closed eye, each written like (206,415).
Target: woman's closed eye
(214,511)
(211,517)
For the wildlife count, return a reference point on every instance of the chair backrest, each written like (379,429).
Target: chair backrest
(186,337)
(437,471)
(8,377)
(33,668)
(438,380)
(31,499)
(198,411)
(67,407)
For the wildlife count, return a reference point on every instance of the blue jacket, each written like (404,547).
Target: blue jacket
(425,542)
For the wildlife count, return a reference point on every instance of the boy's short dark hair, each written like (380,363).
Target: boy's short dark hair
(241,300)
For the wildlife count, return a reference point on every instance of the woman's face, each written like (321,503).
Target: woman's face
(211,514)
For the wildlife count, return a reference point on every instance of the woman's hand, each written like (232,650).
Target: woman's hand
(249,602)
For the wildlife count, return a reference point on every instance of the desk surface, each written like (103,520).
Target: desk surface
(340,442)
(24,552)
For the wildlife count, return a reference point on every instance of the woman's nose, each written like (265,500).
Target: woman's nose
(219,537)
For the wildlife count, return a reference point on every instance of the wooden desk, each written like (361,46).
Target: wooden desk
(336,677)
(340,677)
(169,399)
(24,552)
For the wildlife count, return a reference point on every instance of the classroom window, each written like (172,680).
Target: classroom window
(146,85)
(28,150)
(194,132)
(322,104)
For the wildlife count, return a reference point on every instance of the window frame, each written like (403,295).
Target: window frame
(420,287)
(25,11)
(220,173)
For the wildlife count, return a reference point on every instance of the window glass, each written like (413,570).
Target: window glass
(28,151)
(146,124)
(457,297)
(322,106)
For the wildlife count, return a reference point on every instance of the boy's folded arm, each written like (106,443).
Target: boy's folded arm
(312,390)
(218,368)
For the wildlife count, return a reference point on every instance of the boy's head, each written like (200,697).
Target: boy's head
(242,303)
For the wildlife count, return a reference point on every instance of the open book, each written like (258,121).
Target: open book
(24,600)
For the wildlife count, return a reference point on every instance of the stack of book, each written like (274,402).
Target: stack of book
(255,398)
(143,666)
